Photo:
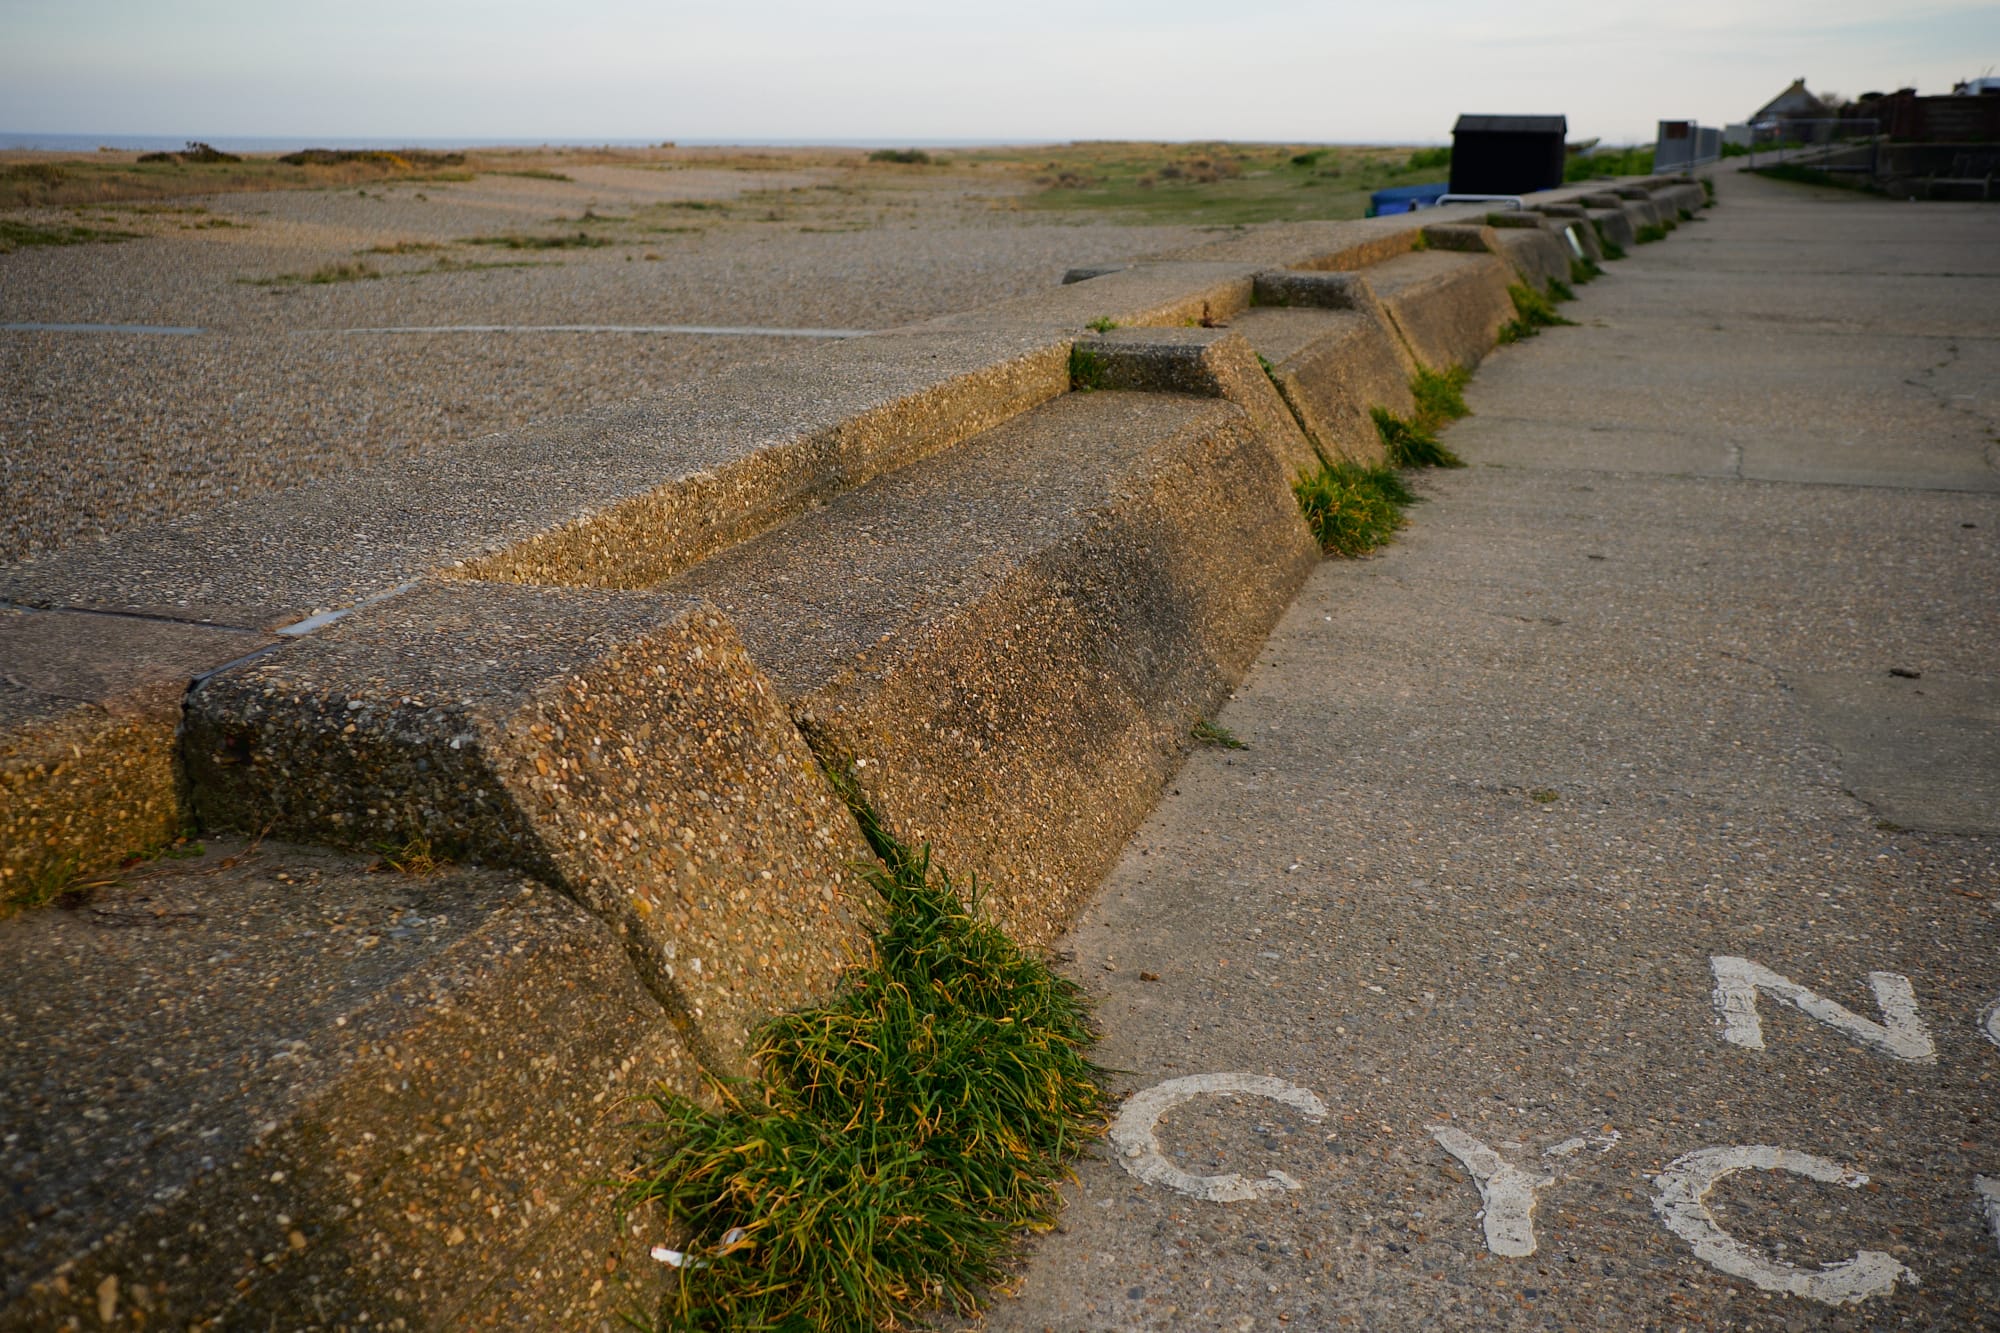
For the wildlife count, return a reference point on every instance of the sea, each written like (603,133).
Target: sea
(23,141)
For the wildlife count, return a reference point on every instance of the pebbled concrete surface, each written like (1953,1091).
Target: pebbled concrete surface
(1514,783)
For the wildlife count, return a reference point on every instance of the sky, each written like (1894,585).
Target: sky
(585,71)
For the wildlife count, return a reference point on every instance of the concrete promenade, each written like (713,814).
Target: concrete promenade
(1620,848)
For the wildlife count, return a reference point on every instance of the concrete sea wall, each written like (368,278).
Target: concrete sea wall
(989,570)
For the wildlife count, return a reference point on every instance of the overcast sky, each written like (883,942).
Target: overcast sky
(587,70)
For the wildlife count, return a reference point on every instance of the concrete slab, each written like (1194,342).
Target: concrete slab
(1021,632)
(1918,748)
(1332,366)
(1448,306)
(614,498)
(1521,792)
(1210,363)
(89,706)
(616,745)
(270,1086)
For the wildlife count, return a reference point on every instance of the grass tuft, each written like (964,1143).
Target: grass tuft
(1584,270)
(899,1139)
(1102,324)
(1560,290)
(1352,509)
(1533,312)
(1440,396)
(1206,732)
(913,157)
(1086,369)
(1650,232)
(416,858)
(1411,444)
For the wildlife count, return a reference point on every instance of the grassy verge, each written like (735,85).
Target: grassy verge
(1798,175)
(898,1140)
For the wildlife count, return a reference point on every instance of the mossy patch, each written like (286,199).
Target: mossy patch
(1533,312)
(1352,509)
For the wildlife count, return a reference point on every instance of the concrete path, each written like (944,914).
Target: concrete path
(1621,847)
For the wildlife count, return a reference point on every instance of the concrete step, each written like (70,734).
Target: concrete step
(616,745)
(1007,645)
(1448,305)
(269,1087)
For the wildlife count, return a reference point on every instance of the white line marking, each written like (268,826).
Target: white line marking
(1900,1034)
(1132,1134)
(1988,1189)
(713,330)
(1678,1200)
(1506,1193)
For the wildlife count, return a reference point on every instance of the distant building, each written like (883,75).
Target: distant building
(1795,103)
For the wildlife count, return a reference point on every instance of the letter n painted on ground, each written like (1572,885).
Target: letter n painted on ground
(1900,1034)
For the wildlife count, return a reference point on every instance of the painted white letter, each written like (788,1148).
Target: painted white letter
(1506,1193)
(1988,1189)
(1901,1033)
(1678,1194)
(1139,1149)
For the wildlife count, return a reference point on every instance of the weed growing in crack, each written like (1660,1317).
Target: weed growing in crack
(899,1137)
(1584,270)
(1087,370)
(1533,312)
(1650,232)
(1352,509)
(1206,732)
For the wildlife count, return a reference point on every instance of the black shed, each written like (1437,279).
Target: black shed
(1507,154)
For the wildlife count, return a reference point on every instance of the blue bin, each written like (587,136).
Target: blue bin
(1405,199)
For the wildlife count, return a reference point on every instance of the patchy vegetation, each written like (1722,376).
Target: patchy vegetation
(912,157)
(899,1139)
(1206,732)
(20,235)
(1609,162)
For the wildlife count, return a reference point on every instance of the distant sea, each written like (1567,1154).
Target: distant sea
(236,143)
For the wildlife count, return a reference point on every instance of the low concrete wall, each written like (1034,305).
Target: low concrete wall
(990,568)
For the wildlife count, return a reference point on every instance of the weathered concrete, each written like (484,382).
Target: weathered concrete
(270,1088)
(1333,365)
(1448,306)
(1210,363)
(616,745)
(1609,709)
(1024,629)
(88,771)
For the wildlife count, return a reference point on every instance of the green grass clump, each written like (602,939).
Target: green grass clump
(898,1140)
(1533,312)
(914,157)
(1583,270)
(1352,509)
(1086,369)
(1650,232)
(1708,186)
(20,235)
(1560,290)
(1410,443)
(1612,250)
(1609,162)
(1102,324)
(1430,159)
(1440,396)
(1206,732)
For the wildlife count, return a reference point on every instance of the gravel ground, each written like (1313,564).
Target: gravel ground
(100,432)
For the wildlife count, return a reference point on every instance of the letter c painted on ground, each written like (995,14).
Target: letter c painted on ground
(1138,1147)
(1678,1201)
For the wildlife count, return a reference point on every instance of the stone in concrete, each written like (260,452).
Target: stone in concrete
(617,745)
(1006,645)
(272,1087)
